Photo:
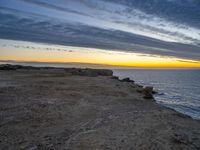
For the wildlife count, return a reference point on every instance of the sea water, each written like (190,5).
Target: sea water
(177,89)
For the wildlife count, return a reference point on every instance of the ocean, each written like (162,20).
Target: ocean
(177,89)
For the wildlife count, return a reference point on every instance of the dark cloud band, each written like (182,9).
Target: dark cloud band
(23,25)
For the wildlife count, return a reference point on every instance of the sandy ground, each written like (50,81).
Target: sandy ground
(48,109)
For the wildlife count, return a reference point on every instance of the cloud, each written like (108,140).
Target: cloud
(183,11)
(128,25)
(51,6)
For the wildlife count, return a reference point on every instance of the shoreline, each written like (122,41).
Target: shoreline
(71,108)
(76,71)
(174,90)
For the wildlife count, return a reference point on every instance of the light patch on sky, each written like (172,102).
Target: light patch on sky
(40,52)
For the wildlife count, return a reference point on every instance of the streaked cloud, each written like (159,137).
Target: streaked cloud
(168,28)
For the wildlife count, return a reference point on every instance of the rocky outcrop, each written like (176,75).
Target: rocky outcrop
(127,80)
(115,77)
(89,72)
(16,67)
(73,71)
(52,109)
(148,92)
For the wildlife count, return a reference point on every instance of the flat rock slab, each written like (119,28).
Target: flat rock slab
(48,109)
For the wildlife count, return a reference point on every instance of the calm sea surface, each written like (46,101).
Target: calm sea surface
(177,89)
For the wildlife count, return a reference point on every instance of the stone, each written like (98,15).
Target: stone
(148,89)
(181,138)
(148,92)
(154,92)
(115,77)
(127,80)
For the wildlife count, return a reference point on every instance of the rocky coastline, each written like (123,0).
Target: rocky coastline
(86,109)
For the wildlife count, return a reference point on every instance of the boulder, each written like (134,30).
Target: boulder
(148,92)
(148,89)
(115,77)
(181,138)
(127,80)
(154,92)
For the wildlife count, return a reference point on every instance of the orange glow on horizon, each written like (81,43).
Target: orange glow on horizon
(68,54)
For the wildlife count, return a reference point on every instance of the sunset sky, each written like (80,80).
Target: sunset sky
(129,33)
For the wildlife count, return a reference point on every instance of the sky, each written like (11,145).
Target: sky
(138,33)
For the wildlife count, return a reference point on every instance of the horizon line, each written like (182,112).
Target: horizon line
(99,65)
